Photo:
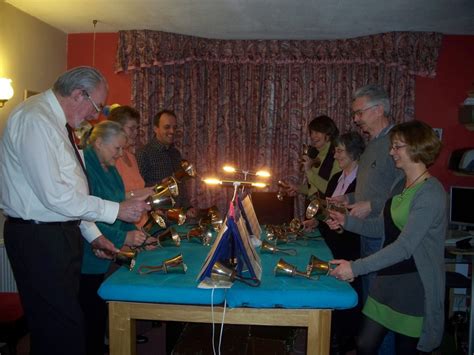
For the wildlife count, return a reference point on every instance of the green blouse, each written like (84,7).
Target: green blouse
(107,185)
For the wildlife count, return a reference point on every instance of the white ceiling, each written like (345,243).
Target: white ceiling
(256,19)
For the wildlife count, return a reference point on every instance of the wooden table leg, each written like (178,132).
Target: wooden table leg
(319,332)
(122,330)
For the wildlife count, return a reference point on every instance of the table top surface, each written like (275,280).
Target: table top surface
(273,292)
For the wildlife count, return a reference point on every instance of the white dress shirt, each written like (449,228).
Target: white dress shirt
(40,177)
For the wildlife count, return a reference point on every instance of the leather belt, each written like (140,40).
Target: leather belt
(14,220)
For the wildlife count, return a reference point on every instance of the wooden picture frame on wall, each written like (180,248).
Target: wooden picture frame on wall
(29,93)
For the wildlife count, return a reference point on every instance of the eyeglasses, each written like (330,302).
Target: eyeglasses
(359,113)
(98,108)
(397,147)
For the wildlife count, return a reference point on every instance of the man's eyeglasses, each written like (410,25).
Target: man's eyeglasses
(397,147)
(99,107)
(359,113)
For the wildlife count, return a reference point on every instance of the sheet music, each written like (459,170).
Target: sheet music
(211,253)
(249,212)
(252,254)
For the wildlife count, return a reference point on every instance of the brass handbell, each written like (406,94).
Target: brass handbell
(203,234)
(317,266)
(177,215)
(312,153)
(126,258)
(169,234)
(274,232)
(187,171)
(210,217)
(163,196)
(154,221)
(319,208)
(282,187)
(285,269)
(170,185)
(220,272)
(173,265)
(161,200)
(269,248)
(296,226)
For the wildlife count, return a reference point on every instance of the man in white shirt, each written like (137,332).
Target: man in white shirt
(45,196)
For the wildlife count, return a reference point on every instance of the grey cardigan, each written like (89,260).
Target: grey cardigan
(423,238)
(377,175)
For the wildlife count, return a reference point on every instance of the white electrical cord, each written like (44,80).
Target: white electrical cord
(213,323)
(222,325)
(212,316)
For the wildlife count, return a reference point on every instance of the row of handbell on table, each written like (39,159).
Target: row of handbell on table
(222,272)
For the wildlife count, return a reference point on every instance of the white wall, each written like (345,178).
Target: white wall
(32,54)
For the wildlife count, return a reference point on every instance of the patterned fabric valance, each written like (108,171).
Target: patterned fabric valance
(415,52)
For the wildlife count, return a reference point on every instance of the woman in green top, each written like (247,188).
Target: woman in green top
(104,145)
(322,131)
(407,295)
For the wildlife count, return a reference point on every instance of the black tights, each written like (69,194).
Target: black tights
(371,337)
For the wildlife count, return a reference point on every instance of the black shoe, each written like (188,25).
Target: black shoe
(141,339)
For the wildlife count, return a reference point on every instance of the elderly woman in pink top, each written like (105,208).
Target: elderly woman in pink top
(127,165)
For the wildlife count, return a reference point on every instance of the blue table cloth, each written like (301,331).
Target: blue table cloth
(282,292)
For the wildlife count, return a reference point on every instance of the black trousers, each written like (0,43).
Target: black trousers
(95,312)
(46,262)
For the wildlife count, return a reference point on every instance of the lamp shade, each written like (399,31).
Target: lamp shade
(6,90)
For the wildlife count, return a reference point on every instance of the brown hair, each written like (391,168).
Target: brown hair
(123,114)
(324,124)
(156,119)
(423,144)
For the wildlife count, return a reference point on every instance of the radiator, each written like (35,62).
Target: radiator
(7,281)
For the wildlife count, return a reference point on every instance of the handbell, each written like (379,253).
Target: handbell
(170,186)
(317,266)
(187,171)
(269,248)
(319,208)
(296,226)
(177,215)
(126,258)
(172,265)
(203,234)
(169,234)
(220,272)
(210,217)
(312,153)
(162,200)
(282,188)
(154,221)
(283,268)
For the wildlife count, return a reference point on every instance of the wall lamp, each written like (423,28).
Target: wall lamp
(6,91)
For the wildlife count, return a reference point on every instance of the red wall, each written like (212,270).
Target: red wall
(80,53)
(437,100)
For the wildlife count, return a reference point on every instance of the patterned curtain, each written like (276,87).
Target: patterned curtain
(249,102)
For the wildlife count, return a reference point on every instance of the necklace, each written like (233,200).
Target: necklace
(412,183)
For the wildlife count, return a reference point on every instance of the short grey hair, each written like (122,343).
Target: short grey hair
(83,78)
(353,142)
(377,96)
(106,130)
